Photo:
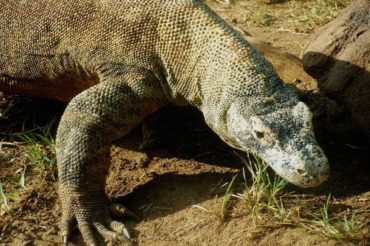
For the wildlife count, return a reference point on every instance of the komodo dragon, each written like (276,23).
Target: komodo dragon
(115,62)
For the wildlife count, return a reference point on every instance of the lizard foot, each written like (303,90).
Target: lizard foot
(92,214)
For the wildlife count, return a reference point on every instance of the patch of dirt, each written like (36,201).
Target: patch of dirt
(182,164)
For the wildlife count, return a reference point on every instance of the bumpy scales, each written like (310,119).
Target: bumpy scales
(117,61)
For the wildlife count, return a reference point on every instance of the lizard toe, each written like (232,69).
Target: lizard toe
(87,233)
(122,212)
(119,228)
(67,223)
(111,235)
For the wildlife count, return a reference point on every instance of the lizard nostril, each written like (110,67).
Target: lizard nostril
(317,152)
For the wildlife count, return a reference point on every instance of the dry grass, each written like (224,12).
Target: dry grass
(301,12)
(267,202)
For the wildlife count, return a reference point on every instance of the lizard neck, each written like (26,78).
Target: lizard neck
(207,63)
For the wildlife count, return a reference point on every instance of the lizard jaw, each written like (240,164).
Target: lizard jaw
(299,169)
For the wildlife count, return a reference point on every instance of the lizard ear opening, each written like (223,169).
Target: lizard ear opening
(303,114)
(301,111)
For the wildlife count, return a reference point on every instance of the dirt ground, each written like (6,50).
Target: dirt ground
(183,163)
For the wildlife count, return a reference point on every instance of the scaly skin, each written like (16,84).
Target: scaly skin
(116,62)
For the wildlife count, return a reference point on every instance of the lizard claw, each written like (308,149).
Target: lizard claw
(126,233)
(65,240)
(124,239)
(115,233)
(121,229)
(91,211)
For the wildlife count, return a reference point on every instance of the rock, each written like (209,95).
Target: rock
(329,119)
(339,58)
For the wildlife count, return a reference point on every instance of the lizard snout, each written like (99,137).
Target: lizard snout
(317,173)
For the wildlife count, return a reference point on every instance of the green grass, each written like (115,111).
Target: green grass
(16,186)
(9,115)
(264,192)
(3,197)
(21,183)
(40,145)
(316,11)
(265,198)
(261,17)
(37,142)
(227,197)
(7,200)
(330,225)
(305,12)
(223,212)
(9,111)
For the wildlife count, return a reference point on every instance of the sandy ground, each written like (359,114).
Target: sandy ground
(186,164)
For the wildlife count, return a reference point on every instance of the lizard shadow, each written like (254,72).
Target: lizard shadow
(344,142)
(184,134)
(170,193)
(185,164)
(341,101)
(180,133)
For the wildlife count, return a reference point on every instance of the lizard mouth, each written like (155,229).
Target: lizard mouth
(312,181)
(302,173)
(315,175)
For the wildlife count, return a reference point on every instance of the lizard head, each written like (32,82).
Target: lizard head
(282,136)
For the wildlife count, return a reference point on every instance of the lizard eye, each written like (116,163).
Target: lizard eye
(261,131)
(264,138)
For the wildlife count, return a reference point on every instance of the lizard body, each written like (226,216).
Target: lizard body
(115,62)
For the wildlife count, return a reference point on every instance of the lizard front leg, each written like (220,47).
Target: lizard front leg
(92,120)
